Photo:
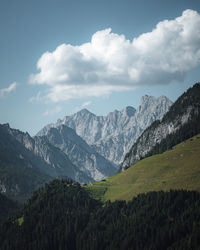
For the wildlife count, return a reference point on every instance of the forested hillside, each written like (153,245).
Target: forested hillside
(7,207)
(63,216)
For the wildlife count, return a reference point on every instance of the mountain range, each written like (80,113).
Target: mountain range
(113,135)
(59,152)
(153,203)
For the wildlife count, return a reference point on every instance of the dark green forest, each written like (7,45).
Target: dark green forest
(7,207)
(62,215)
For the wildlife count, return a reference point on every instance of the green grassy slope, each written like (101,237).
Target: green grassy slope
(178,168)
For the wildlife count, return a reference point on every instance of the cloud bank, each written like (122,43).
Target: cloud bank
(110,62)
(5,91)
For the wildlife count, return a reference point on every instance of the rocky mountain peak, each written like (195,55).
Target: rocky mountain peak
(84,112)
(146,99)
(129,111)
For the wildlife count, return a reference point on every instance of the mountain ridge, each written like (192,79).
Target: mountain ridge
(19,173)
(112,135)
(26,163)
(58,164)
(182,119)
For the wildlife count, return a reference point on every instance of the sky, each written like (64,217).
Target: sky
(60,56)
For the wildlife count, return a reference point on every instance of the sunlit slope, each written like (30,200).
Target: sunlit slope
(178,168)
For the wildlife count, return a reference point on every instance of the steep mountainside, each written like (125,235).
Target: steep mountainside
(27,163)
(58,163)
(113,135)
(178,168)
(181,122)
(80,153)
(19,172)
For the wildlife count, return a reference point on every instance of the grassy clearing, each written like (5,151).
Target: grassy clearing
(20,220)
(178,168)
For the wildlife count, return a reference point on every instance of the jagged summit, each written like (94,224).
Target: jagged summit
(113,135)
(145,98)
(84,112)
(149,100)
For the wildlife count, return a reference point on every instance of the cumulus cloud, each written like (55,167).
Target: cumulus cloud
(53,111)
(110,62)
(5,91)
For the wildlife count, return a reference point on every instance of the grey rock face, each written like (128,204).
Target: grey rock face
(113,135)
(51,160)
(80,153)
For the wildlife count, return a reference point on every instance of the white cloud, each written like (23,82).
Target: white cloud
(5,91)
(36,98)
(85,104)
(110,62)
(53,111)
(66,92)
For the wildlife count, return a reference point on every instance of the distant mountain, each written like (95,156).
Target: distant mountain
(26,163)
(113,135)
(80,153)
(180,123)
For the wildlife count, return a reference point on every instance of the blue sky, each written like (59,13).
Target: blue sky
(102,55)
